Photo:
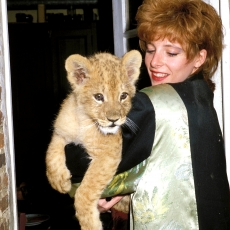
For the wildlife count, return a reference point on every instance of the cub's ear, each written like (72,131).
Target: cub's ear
(78,69)
(132,63)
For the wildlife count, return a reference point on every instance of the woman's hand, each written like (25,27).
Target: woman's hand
(105,206)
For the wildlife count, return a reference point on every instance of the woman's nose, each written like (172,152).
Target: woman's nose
(156,60)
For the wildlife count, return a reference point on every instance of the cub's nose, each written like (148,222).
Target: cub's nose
(112,119)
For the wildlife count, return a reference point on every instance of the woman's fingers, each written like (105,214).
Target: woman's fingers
(104,206)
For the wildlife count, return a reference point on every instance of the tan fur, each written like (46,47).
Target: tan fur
(123,204)
(80,119)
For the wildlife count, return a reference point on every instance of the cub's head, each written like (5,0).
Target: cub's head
(104,86)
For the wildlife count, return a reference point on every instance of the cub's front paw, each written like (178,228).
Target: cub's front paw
(59,179)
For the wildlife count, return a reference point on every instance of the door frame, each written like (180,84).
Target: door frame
(6,108)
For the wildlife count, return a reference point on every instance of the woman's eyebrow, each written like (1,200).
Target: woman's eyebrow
(173,46)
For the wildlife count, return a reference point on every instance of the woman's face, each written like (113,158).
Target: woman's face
(167,62)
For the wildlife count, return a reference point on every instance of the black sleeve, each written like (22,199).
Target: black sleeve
(137,140)
(77,161)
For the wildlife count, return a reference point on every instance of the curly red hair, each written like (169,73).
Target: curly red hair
(192,23)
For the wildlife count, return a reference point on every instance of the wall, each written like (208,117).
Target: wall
(4,177)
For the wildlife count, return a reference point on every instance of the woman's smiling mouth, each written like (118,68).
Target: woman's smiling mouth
(158,76)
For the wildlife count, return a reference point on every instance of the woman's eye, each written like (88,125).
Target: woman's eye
(99,97)
(172,54)
(150,51)
(123,96)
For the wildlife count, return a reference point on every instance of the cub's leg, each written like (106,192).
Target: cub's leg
(56,170)
(100,172)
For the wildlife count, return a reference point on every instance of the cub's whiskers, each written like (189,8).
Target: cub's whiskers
(131,125)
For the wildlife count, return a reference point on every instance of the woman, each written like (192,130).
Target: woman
(177,155)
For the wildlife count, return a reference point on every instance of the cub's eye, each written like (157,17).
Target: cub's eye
(123,96)
(99,97)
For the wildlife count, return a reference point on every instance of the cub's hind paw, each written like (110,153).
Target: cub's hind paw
(60,182)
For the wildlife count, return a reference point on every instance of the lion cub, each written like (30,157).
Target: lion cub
(102,88)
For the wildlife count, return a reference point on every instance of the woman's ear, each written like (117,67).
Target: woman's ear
(200,59)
